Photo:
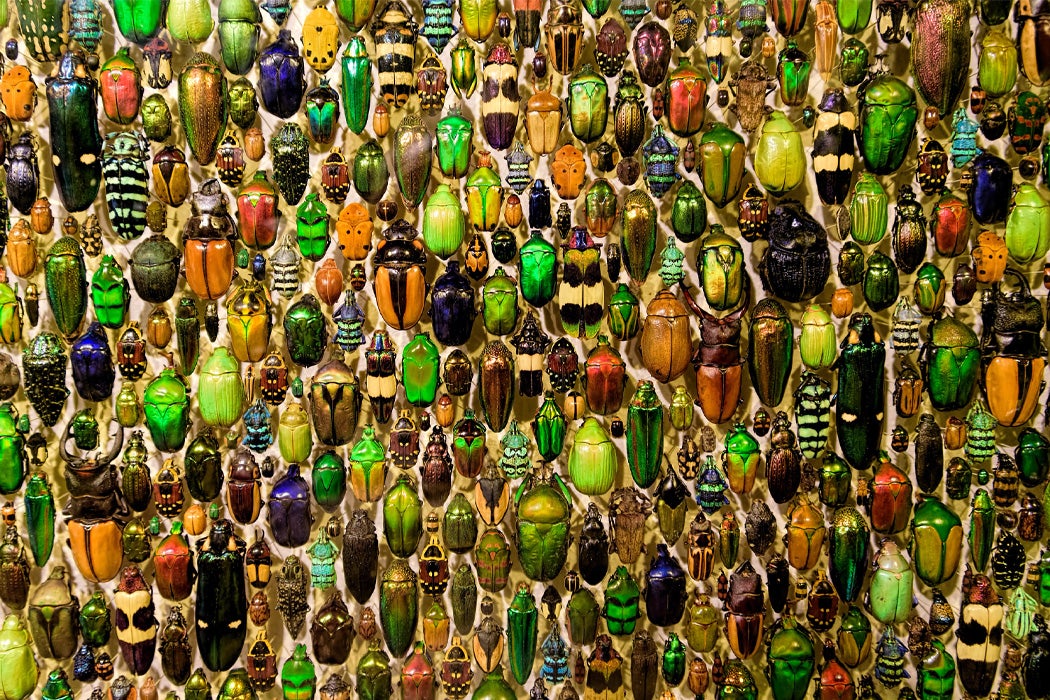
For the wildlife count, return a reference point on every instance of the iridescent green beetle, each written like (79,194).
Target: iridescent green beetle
(722,163)
(588,104)
(110,293)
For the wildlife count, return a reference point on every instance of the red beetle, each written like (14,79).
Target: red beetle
(686,99)
(822,605)
(120,86)
(456,673)
(889,498)
(167,490)
(335,177)
(745,608)
(243,488)
(417,675)
(131,353)
(258,213)
(604,377)
(173,565)
(262,663)
(753,218)
(950,225)
(835,682)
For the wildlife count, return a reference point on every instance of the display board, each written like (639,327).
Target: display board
(605,350)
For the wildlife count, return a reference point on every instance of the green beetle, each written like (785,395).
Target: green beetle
(17,660)
(853,61)
(65,278)
(355,13)
(499,303)
(997,64)
(588,104)
(848,552)
(722,156)
(638,235)
(244,104)
(294,437)
(929,289)
(869,210)
(888,114)
(936,541)
(522,633)
(1028,225)
(166,405)
(981,536)
(538,270)
(672,663)
(793,69)
(645,435)
(600,207)
(854,637)
(881,284)
(688,212)
(96,622)
(720,262)
(139,20)
(454,134)
(549,428)
(328,480)
(11,311)
(779,161)
(492,559)
(624,313)
(239,26)
(890,596)
(950,360)
(464,70)
(622,595)
(593,460)
(460,526)
(937,675)
(403,516)
(543,532)
(740,459)
(817,341)
(419,370)
(444,226)
(1033,457)
(13,457)
(399,606)
(57,686)
(221,398)
(368,472)
(312,227)
(371,174)
(110,293)
(790,660)
(203,107)
(738,684)
(203,467)
(582,613)
(40,517)
(484,195)
(702,624)
(305,331)
(770,351)
(853,15)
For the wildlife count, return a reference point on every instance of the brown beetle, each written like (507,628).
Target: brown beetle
(666,341)
(750,84)
(628,510)
(805,534)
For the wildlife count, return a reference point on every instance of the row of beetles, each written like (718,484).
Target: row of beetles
(781,558)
